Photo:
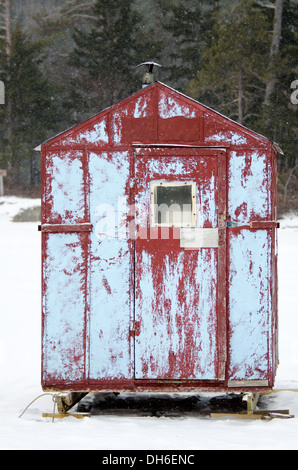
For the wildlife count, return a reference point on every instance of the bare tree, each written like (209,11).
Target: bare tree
(274,50)
(74,9)
(5,23)
(291,173)
(5,15)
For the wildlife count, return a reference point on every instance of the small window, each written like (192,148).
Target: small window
(173,204)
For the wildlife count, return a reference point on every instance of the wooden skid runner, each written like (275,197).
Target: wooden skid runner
(66,415)
(257,414)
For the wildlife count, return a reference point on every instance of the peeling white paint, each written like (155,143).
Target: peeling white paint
(63,342)
(168,107)
(67,186)
(141,108)
(174,166)
(233,137)
(219,137)
(171,328)
(238,139)
(116,122)
(110,268)
(249,186)
(97,134)
(176,291)
(249,305)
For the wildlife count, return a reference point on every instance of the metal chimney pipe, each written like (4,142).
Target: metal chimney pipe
(148,76)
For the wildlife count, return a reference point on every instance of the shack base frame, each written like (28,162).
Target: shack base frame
(65,403)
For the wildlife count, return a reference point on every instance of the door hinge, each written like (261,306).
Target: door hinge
(232,224)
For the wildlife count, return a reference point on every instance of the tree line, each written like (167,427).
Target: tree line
(77,57)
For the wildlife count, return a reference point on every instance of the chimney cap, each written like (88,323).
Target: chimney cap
(149,63)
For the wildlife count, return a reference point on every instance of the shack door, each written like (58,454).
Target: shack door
(180,250)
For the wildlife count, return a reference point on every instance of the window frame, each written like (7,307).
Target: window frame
(155,184)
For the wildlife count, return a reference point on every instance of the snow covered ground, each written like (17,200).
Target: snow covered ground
(20,366)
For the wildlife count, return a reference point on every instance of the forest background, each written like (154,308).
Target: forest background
(62,61)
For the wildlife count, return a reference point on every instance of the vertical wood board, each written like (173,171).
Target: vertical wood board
(250,304)
(64,305)
(111,290)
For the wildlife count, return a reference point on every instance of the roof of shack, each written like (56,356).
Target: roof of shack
(164,102)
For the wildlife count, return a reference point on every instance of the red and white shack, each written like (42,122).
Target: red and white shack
(159,266)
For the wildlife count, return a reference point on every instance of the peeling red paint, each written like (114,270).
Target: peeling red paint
(139,311)
(106,285)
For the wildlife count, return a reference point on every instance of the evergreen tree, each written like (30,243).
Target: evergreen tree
(232,73)
(189,24)
(248,70)
(279,117)
(105,56)
(30,113)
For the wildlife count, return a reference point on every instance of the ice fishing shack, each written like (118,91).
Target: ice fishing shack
(159,264)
